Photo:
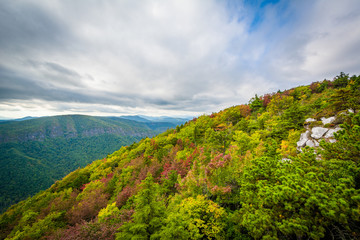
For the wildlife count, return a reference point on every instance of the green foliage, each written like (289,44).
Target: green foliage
(110,214)
(343,156)
(236,174)
(195,218)
(149,212)
(34,153)
(341,81)
(255,103)
(36,230)
(293,199)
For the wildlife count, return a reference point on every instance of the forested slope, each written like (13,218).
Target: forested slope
(35,153)
(236,174)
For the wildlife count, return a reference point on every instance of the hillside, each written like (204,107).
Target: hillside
(252,171)
(34,153)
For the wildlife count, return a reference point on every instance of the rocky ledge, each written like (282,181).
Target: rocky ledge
(314,135)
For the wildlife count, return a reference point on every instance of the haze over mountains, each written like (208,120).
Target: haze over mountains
(35,152)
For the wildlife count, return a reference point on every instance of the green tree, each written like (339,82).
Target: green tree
(195,218)
(297,199)
(255,103)
(343,156)
(149,213)
(341,80)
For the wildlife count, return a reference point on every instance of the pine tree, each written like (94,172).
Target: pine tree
(149,212)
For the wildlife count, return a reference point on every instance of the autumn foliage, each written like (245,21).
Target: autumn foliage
(236,174)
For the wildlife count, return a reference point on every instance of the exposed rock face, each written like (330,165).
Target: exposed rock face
(318,132)
(310,120)
(314,135)
(330,133)
(303,139)
(327,120)
(310,143)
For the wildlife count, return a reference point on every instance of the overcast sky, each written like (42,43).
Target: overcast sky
(165,57)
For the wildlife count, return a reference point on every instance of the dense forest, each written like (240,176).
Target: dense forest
(35,152)
(243,173)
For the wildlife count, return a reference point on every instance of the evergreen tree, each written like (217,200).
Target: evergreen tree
(149,212)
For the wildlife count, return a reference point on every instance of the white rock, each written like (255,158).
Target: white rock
(316,143)
(330,133)
(327,120)
(350,111)
(318,132)
(310,143)
(332,140)
(286,160)
(310,120)
(338,128)
(303,139)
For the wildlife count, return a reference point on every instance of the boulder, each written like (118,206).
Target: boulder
(303,139)
(318,132)
(327,120)
(310,143)
(310,120)
(330,133)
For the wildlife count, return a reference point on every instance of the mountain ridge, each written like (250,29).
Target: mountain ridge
(234,174)
(47,148)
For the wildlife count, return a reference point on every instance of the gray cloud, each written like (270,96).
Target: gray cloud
(26,26)
(168,57)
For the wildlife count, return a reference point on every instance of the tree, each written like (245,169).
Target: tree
(341,81)
(195,218)
(255,103)
(343,156)
(297,199)
(149,213)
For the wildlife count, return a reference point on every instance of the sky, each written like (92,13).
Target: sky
(173,57)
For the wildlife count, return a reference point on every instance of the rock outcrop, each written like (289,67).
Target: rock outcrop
(314,135)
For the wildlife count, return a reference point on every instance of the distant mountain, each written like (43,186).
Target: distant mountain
(17,119)
(35,152)
(143,118)
(159,124)
(166,119)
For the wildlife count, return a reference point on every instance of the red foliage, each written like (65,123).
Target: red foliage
(266,99)
(106,179)
(216,190)
(86,230)
(153,144)
(89,207)
(218,161)
(84,186)
(124,195)
(154,168)
(244,110)
(181,166)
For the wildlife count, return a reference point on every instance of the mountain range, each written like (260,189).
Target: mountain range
(285,165)
(35,152)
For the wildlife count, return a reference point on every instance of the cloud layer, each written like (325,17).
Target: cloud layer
(166,57)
